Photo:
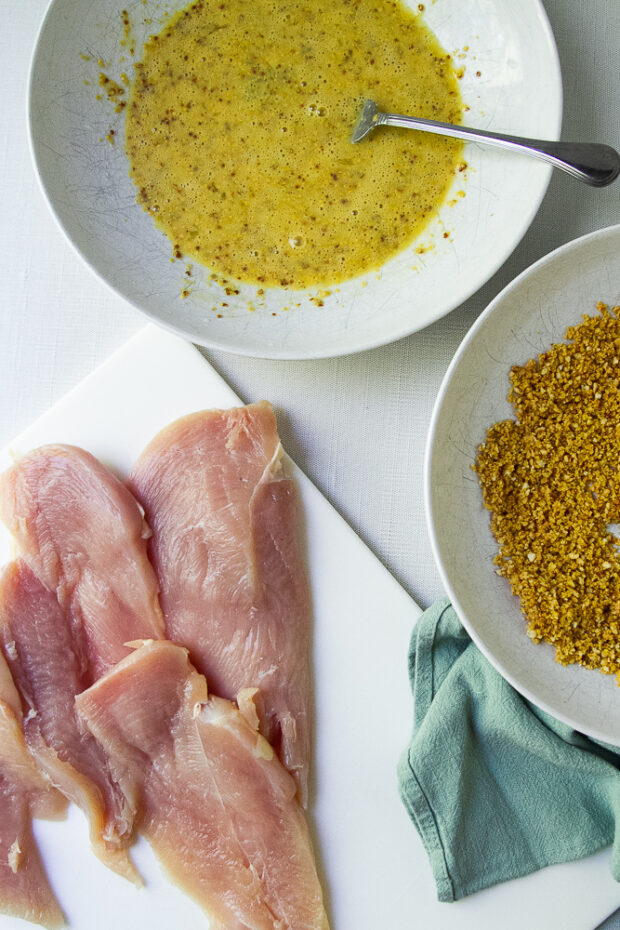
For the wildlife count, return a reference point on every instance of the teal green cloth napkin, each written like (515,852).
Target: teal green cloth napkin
(496,787)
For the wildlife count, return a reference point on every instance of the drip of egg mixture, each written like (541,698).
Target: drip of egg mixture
(238,135)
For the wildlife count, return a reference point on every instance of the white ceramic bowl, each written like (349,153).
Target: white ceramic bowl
(525,319)
(511,82)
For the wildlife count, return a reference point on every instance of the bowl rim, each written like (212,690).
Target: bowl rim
(429,457)
(227,344)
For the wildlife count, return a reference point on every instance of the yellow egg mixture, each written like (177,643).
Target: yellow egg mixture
(238,135)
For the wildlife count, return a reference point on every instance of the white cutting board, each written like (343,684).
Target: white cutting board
(372,863)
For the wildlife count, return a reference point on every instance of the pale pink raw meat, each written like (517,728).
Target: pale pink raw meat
(224,511)
(217,805)
(84,536)
(48,657)
(83,588)
(25,891)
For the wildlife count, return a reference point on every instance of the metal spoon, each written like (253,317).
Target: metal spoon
(591,162)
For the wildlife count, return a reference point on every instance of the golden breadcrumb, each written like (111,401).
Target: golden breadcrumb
(551,480)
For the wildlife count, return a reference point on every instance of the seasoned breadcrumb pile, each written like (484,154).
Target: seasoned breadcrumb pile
(551,480)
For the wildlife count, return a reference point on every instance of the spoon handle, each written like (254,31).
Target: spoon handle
(591,162)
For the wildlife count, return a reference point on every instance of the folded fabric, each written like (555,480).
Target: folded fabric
(496,787)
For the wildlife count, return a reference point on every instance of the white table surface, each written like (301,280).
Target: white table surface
(355,425)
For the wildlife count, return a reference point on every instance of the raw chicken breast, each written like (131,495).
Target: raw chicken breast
(24,889)
(48,657)
(224,513)
(217,805)
(84,536)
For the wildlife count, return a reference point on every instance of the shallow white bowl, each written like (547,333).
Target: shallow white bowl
(518,90)
(529,315)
